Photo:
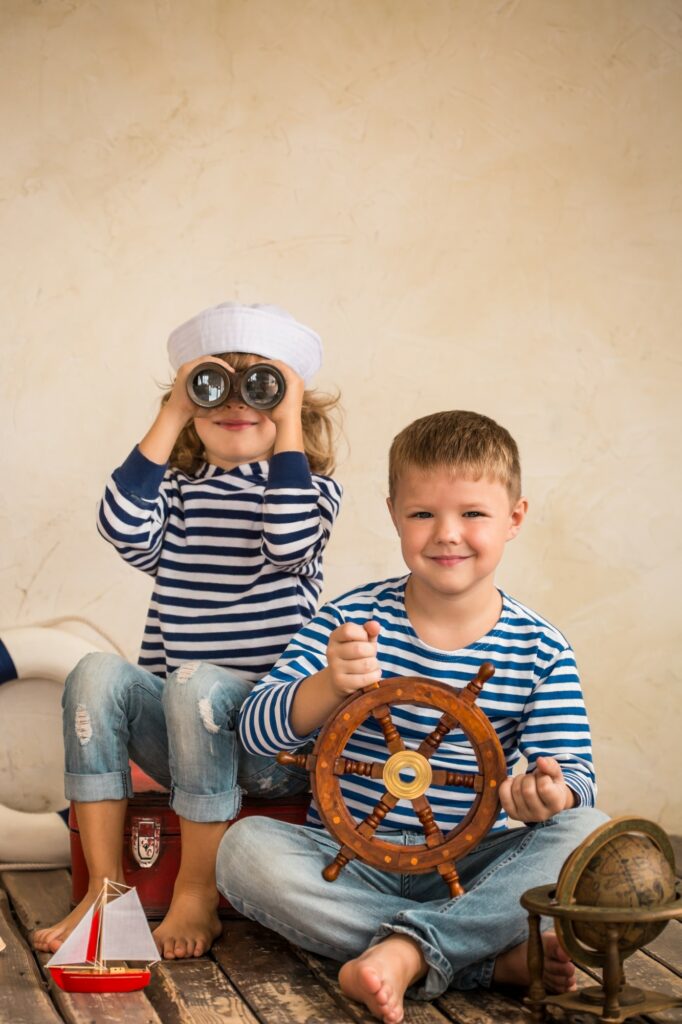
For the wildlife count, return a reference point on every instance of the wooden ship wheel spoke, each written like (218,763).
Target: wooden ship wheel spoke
(406,775)
(430,745)
(394,740)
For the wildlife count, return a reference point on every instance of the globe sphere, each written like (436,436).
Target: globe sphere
(628,872)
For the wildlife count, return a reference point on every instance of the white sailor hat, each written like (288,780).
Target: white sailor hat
(261,329)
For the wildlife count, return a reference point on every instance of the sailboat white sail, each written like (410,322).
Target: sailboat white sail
(125,932)
(74,948)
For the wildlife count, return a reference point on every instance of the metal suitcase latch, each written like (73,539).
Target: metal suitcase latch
(145,840)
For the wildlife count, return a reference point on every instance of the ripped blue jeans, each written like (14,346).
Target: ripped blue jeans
(181,732)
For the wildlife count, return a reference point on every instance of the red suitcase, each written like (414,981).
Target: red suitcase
(151,844)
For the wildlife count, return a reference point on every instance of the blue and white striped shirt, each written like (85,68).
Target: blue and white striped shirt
(236,556)
(534,700)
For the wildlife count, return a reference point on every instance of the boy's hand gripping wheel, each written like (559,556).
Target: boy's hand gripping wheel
(326,766)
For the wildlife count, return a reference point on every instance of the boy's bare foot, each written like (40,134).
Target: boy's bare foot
(511,968)
(191,924)
(380,976)
(48,940)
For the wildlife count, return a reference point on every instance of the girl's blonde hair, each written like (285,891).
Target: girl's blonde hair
(320,417)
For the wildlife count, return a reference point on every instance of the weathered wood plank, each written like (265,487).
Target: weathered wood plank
(481,1006)
(39,898)
(101,1008)
(43,897)
(196,992)
(23,999)
(493,1006)
(326,971)
(277,986)
(667,948)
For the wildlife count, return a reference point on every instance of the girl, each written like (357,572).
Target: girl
(220,506)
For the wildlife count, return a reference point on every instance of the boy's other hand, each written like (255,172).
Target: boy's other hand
(537,795)
(352,657)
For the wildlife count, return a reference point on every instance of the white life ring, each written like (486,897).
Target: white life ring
(39,653)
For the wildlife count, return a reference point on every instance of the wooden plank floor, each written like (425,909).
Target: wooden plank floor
(252,977)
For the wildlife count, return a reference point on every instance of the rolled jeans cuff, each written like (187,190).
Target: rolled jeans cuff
(207,806)
(478,975)
(439,974)
(106,786)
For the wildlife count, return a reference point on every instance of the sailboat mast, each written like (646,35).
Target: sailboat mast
(100,924)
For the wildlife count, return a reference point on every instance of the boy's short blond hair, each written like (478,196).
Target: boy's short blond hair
(464,442)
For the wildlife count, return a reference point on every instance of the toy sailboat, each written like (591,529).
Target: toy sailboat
(114,928)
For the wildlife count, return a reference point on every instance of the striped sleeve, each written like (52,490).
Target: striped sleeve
(298,514)
(133,511)
(265,716)
(555,724)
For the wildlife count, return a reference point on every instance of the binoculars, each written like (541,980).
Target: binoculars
(261,386)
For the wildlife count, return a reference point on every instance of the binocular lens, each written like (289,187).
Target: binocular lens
(209,387)
(261,386)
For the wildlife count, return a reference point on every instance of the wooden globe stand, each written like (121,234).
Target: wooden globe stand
(614,1000)
(326,765)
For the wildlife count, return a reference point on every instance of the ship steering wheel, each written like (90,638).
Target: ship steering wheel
(407,775)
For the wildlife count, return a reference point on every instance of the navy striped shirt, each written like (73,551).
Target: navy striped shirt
(534,701)
(236,556)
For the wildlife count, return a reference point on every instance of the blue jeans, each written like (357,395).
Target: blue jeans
(271,872)
(182,732)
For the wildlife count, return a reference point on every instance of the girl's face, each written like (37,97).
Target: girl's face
(234,433)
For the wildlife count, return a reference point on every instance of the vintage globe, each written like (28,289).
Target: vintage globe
(629,871)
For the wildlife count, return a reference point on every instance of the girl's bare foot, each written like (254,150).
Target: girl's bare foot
(48,940)
(191,924)
(511,968)
(380,976)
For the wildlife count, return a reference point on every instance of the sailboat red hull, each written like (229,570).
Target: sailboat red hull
(78,979)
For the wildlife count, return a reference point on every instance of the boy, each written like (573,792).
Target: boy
(455,499)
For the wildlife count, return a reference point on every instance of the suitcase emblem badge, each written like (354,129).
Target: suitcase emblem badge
(145,840)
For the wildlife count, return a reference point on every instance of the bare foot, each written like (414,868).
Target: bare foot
(191,924)
(380,976)
(511,968)
(48,940)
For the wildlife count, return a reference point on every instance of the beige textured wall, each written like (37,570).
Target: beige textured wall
(478,205)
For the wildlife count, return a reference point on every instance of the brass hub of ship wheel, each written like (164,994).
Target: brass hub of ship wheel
(407,761)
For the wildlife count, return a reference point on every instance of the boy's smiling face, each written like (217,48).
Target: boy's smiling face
(453,530)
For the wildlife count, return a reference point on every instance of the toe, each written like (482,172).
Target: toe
(383,998)
(52,942)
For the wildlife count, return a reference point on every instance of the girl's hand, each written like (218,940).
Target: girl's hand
(538,795)
(290,406)
(352,657)
(287,415)
(159,441)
